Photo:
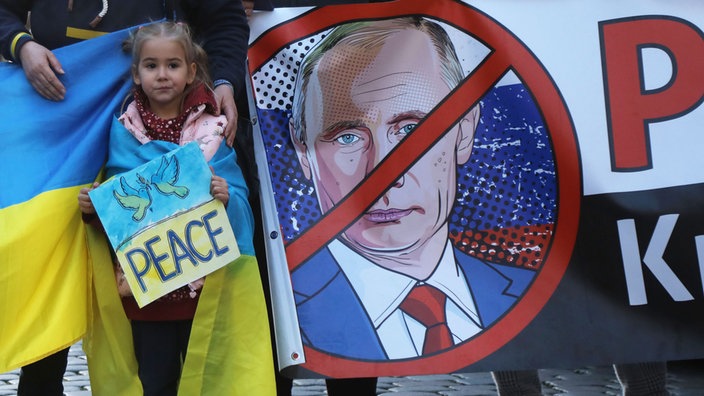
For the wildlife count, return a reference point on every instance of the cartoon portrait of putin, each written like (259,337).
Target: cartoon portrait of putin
(391,285)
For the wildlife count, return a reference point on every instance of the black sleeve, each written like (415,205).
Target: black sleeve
(13,15)
(221,27)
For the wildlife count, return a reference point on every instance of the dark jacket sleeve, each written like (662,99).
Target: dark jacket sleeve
(221,27)
(13,15)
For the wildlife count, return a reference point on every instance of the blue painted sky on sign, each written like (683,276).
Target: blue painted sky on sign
(161,188)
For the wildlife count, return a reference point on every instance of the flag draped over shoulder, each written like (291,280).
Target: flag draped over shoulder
(48,152)
(229,351)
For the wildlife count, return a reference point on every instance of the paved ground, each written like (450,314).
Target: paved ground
(684,379)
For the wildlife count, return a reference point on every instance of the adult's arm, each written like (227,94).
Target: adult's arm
(13,33)
(220,26)
(39,63)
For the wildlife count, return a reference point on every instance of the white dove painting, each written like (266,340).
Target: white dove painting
(134,198)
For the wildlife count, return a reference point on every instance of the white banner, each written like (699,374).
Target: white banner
(572,135)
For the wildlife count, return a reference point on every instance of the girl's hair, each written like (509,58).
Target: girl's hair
(178,32)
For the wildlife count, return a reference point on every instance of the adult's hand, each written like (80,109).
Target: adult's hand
(225,98)
(248,7)
(41,68)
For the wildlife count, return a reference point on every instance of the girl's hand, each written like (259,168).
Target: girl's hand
(195,286)
(218,188)
(84,202)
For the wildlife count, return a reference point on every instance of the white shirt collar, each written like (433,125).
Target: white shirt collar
(381,290)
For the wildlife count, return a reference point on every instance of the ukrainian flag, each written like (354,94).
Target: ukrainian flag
(48,152)
(56,280)
(229,350)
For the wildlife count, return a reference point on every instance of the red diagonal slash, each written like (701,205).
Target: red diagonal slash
(435,125)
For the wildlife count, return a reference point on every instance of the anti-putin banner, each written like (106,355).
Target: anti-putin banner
(468,186)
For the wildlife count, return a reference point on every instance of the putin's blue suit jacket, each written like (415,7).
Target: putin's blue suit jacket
(332,319)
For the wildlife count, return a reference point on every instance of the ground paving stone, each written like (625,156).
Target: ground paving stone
(684,378)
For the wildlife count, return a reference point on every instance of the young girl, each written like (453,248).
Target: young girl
(173,105)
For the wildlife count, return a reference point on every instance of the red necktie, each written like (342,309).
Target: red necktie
(426,304)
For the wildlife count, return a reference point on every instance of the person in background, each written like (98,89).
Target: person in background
(220,24)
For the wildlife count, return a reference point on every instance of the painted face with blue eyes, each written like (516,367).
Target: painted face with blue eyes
(359,105)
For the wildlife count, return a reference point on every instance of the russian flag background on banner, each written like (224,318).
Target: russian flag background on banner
(48,152)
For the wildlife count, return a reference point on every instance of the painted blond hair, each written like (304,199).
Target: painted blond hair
(369,35)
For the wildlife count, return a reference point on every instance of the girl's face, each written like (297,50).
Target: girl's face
(163,73)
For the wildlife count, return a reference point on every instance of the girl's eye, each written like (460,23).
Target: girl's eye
(347,138)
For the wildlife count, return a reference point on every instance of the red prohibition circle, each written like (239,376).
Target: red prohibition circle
(508,53)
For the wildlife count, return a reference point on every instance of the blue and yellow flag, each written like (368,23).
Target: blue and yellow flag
(56,278)
(229,350)
(48,151)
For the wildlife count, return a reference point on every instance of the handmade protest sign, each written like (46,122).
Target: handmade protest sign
(163,224)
